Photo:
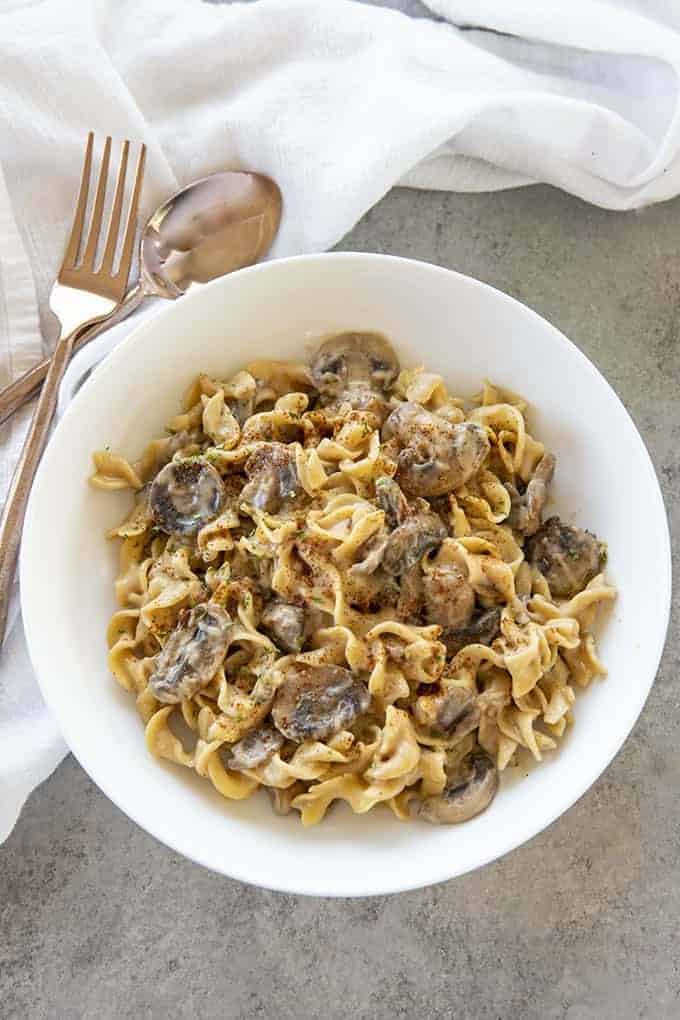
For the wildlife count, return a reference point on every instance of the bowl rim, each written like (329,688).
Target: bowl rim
(392,883)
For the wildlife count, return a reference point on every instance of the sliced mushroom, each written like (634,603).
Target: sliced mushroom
(359,361)
(369,592)
(314,702)
(420,525)
(409,542)
(273,477)
(192,654)
(411,594)
(451,714)
(392,501)
(481,630)
(185,495)
(285,624)
(436,456)
(369,555)
(441,505)
(255,748)
(449,597)
(568,557)
(354,370)
(461,801)
(358,398)
(527,509)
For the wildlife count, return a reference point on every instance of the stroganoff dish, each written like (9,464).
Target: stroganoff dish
(336,583)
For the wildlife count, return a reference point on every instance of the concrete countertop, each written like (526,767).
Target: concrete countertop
(582,923)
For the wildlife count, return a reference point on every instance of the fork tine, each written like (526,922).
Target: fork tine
(71,253)
(96,220)
(131,228)
(114,221)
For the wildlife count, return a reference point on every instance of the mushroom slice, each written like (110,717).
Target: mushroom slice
(185,495)
(481,630)
(436,456)
(192,654)
(285,624)
(314,702)
(461,801)
(255,748)
(354,361)
(452,714)
(370,556)
(392,501)
(449,596)
(411,594)
(272,477)
(568,557)
(527,510)
(408,543)
(358,398)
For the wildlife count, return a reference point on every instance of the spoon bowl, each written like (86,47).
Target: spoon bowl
(210,228)
(213,227)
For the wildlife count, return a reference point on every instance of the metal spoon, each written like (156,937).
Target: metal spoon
(219,224)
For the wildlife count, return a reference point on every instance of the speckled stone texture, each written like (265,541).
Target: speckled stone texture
(98,920)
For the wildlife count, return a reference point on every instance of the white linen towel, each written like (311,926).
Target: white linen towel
(338,102)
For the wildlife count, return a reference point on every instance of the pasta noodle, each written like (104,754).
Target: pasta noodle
(336,583)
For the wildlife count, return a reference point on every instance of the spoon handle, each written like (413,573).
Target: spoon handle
(15,395)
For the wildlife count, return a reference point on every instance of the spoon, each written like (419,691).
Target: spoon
(210,228)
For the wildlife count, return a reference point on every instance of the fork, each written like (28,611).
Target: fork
(81,297)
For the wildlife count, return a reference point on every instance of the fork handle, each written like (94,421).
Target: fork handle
(11,522)
(18,392)
(15,395)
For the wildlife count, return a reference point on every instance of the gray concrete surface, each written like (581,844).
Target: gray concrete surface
(100,921)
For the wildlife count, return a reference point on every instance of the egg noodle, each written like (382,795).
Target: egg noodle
(338,586)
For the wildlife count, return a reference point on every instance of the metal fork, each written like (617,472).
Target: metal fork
(82,296)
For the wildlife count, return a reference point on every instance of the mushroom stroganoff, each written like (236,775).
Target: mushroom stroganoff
(336,583)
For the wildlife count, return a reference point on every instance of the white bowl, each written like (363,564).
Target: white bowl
(457,326)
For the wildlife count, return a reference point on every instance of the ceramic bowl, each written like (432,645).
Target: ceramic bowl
(454,325)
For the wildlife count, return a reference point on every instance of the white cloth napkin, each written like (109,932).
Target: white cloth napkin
(339,102)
